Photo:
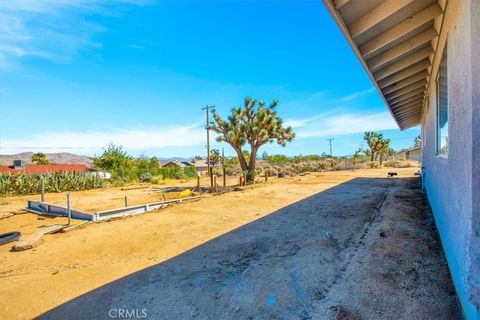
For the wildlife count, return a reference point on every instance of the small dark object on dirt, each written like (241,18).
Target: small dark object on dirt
(391,174)
(345,314)
(382,234)
(282,174)
(9,237)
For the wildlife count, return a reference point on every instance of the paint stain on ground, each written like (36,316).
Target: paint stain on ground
(272,299)
(297,289)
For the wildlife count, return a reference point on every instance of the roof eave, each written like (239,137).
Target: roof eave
(339,21)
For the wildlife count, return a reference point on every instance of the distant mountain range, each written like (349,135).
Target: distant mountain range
(63,157)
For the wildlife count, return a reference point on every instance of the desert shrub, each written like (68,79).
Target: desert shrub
(156,180)
(344,164)
(146,177)
(271,172)
(171,173)
(373,164)
(361,166)
(401,164)
(177,172)
(278,159)
(268,169)
(232,170)
(190,172)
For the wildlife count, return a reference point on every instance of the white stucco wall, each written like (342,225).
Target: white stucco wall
(452,183)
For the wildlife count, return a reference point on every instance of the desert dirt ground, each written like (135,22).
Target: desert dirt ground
(340,245)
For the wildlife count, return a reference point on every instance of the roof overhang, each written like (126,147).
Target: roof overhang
(396,41)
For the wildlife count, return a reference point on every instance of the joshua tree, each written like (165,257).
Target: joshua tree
(255,124)
(376,143)
(40,158)
(417,142)
(215,157)
(385,150)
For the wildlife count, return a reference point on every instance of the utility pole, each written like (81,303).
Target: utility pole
(330,141)
(207,110)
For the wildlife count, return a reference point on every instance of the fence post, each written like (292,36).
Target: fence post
(224,177)
(266,176)
(42,188)
(69,212)
(126,201)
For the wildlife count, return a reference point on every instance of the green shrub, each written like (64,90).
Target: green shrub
(278,159)
(190,172)
(145,177)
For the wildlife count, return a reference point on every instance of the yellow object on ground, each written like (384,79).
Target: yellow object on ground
(185,193)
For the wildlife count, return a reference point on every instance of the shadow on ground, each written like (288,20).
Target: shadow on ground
(338,254)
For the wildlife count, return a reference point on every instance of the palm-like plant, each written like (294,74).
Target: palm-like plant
(40,158)
(254,124)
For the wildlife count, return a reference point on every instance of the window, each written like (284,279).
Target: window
(442,107)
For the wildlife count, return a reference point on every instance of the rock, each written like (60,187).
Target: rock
(32,240)
(28,241)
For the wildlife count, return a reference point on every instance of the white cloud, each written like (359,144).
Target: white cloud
(356,95)
(52,29)
(337,123)
(131,139)
(299,123)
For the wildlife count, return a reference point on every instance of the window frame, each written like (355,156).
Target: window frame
(438,133)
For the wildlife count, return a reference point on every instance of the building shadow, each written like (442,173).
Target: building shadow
(279,266)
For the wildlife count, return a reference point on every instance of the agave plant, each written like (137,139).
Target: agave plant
(23,184)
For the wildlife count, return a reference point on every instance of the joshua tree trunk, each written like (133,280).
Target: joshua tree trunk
(251,165)
(241,159)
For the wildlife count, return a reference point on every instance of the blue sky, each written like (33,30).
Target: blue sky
(78,74)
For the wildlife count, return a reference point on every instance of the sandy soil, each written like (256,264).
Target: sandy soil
(70,264)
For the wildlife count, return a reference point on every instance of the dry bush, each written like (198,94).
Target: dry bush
(361,165)
(344,164)
(401,164)
(311,166)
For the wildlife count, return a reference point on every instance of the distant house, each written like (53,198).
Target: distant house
(412,154)
(201,166)
(176,163)
(20,167)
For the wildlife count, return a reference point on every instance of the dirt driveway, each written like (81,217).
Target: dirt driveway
(340,245)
